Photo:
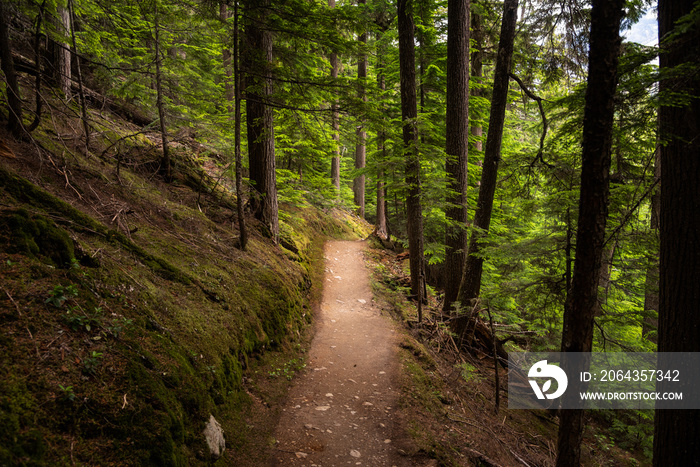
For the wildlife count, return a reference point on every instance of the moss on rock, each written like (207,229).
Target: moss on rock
(36,236)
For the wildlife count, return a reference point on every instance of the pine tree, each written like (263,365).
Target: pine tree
(676,432)
(260,129)
(457,129)
(582,299)
(14,98)
(361,145)
(471,278)
(409,115)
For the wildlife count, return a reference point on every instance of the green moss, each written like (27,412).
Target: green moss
(201,311)
(36,236)
(18,438)
(25,191)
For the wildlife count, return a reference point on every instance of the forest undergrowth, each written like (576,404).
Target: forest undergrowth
(448,393)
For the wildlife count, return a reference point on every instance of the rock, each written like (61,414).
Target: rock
(214,435)
(323,408)
(355,453)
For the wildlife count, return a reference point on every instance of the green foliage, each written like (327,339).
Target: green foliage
(67,394)
(92,363)
(76,320)
(60,294)
(289,369)
(468,372)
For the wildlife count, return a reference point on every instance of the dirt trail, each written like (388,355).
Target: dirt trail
(341,411)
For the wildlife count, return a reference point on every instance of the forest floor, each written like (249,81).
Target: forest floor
(343,409)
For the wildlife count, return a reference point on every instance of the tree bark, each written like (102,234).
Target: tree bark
(457,145)
(335,122)
(39,74)
(409,114)
(165,165)
(261,136)
(477,72)
(650,324)
(361,147)
(582,299)
(14,99)
(471,278)
(63,55)
(81,90)
(381,147)
(233,94)
(676,432)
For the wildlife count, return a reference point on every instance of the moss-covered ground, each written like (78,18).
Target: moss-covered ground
(128,314)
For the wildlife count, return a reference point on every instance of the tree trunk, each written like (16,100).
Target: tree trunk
(409,114)
(471,278)
(477,72)
(227,60)
(457,145)
(38,35)
(381,147)
(261,136)
(582,299)
(165,165)
(651,284)
(14,99)
(233,94)
(360,148)
(335,122)
(81,90)
(63,54)
(676,432)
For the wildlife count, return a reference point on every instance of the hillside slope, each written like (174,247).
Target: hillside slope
(127,312)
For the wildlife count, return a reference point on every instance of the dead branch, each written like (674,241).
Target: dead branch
(545,124)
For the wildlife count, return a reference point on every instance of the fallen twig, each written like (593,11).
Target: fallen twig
(12,300)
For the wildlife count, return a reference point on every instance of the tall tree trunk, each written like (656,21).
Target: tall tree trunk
(471,278)
(39,74)
(233,94)
(381,146)
(14,99)
(477,72)
(582,299)
(227,60)
(81,91)
(335,122)
(409,114)
(676,432)
(457,144)
(361,147)
(165,163)
(651,284)
(242,228)
(63,54)
(261,136)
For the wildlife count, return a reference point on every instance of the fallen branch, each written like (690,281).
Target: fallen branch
(13,301)
(483,458)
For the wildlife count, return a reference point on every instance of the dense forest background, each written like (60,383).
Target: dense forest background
(462,130)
